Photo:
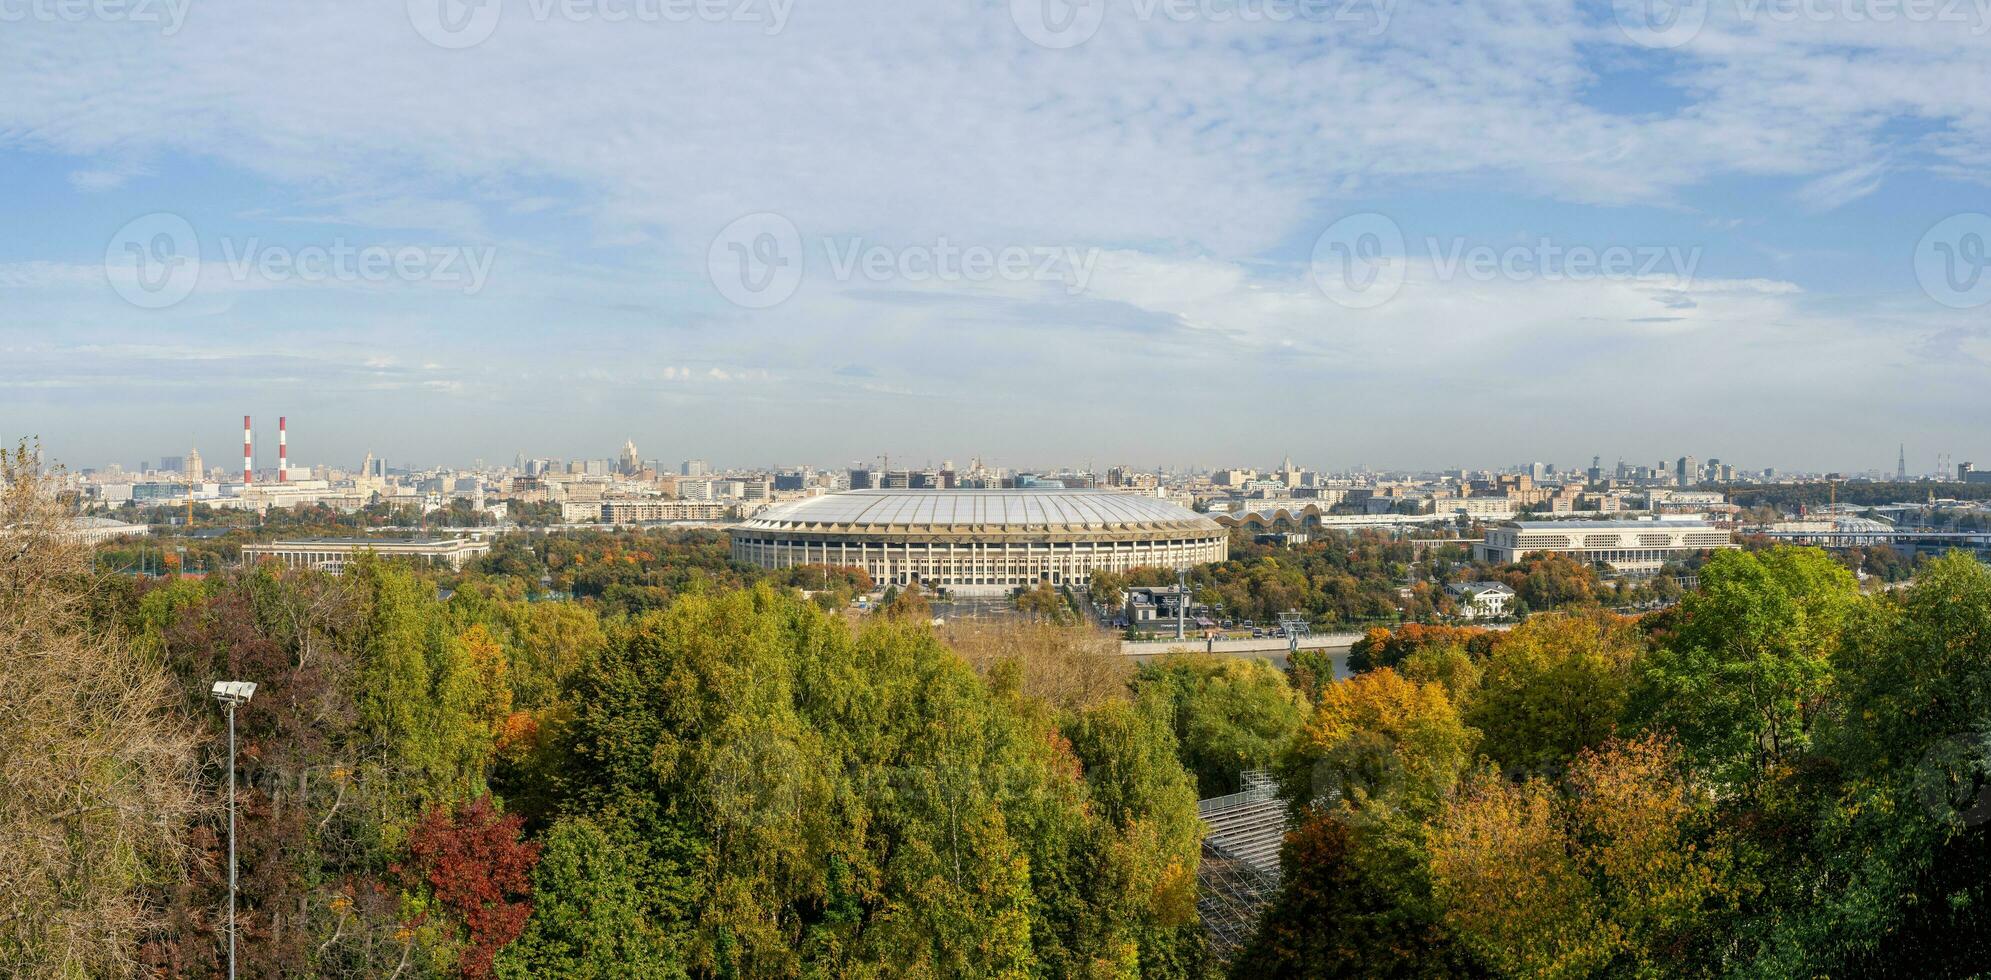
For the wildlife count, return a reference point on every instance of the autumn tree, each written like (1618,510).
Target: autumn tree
(95,785)
(1554,686)
(1378,739)
(1610,873)
(473,866)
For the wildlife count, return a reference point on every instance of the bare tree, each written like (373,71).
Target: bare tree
(97,772)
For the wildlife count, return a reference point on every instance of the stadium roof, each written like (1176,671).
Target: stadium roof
(1007,509)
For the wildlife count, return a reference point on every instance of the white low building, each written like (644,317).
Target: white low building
(1625,546)
(1481,600)
(333,554)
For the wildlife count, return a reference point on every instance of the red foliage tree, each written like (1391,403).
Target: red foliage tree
(480,871)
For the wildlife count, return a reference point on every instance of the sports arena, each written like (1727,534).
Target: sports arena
(980,541)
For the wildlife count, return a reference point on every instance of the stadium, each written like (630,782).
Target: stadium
(980,541)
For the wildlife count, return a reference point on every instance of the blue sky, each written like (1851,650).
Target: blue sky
(554,213)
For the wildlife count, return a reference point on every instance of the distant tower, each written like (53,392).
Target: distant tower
(193,470)
(248,456)
(1901,464)
(283,451)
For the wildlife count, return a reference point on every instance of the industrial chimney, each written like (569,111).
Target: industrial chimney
(248,455)
(283,452)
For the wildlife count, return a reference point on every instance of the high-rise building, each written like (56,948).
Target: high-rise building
(1687,471)
(630,464)
(192,468)
(694,468)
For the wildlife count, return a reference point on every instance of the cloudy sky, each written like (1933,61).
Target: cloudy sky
(1383,232)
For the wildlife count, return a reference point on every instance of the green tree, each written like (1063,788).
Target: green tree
(590,917)
(1744,676)
(1553,687)
(1228,714)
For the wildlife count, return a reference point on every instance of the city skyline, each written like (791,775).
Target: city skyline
(749,458)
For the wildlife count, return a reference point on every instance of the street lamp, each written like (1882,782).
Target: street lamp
(232,694)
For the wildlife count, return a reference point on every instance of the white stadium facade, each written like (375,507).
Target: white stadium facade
(980,541)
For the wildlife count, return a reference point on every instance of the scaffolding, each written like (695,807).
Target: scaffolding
(1239,872)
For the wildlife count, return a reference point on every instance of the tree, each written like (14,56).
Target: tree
(478,872)
(1387,648)
(1351,903)
(908,603)
(1744,675)
(422,700)
(797,797)
(1613,874)
(1554,686)
(590,916)
(1045,602)
(95,787)
(1228,714)
(1378,739)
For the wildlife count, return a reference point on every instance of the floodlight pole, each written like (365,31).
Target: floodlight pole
(1181,601)
(232,695)
(231,839)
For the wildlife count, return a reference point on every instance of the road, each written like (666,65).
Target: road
(1272,648)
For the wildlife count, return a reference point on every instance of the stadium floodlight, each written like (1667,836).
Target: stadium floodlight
(232,695)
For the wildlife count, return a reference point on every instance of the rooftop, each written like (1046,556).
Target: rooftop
(1581,525)
(1074,509)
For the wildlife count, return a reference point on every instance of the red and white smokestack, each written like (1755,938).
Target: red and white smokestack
(283,452)
(248,455)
